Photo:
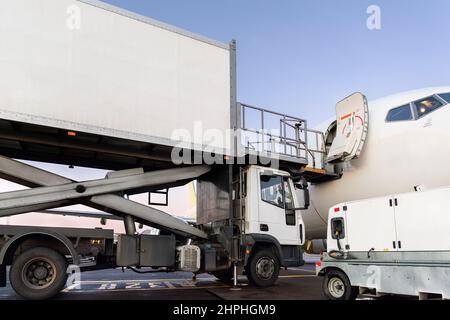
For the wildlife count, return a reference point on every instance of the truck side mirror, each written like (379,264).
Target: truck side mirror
(305,195)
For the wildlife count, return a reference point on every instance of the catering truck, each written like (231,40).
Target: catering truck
(395,245)
(88,84)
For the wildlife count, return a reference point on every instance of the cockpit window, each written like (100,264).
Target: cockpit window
(427,105)
(402,113)
(445,96)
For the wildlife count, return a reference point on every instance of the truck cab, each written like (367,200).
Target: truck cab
(274,225)
(272,206)
(266,224)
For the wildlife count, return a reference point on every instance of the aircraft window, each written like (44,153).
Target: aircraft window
(402,113)
(427,105)
(445,96)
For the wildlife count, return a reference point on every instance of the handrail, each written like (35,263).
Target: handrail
(298,144)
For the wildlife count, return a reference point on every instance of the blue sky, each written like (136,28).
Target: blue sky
(301,57)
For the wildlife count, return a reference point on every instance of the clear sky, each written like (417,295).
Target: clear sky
(301,57)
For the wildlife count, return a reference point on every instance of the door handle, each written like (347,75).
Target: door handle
(399,244)
(264,227)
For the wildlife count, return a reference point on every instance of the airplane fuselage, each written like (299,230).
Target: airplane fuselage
(397,157)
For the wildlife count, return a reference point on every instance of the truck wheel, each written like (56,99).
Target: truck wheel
(224,276)
(38,274)
(336,286)
(263,268)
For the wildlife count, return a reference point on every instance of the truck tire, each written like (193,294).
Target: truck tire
(336,286)
(225,276)
(38,274)
(263,268)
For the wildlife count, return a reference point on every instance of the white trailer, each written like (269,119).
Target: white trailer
(397,245)
(88,84)
(78,64)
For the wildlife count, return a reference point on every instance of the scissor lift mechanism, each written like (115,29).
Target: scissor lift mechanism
(50,191)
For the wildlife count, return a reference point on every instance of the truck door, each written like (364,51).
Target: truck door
(351,129)
(277,214)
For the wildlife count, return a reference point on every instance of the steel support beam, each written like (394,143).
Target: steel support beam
(16,171)
(142,212)
(17,202)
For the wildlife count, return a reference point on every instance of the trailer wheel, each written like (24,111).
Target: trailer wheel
(38,274)
(263,268)
(336,286)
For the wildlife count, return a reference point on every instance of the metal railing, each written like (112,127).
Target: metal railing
(263,130)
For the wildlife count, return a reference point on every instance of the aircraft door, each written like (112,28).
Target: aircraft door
(352,128)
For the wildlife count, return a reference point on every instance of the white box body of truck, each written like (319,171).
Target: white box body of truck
(398,244)
(87,66)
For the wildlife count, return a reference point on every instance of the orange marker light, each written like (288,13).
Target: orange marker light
(72,134)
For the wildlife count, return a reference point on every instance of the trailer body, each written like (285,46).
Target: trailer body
(391,245)
(78,65)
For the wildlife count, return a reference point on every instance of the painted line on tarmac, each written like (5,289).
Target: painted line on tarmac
(169,285)
(300,269)
(299,276)
(147,289)
(145,280)
(154,284)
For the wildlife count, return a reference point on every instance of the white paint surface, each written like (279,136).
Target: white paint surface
(114,75)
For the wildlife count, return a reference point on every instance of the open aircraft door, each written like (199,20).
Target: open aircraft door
(352,128)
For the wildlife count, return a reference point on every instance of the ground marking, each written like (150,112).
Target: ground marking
(142,281)
(299,276)
(154,289)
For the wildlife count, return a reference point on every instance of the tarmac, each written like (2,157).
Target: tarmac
(293,284)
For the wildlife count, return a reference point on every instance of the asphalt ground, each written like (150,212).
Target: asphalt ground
(293,284)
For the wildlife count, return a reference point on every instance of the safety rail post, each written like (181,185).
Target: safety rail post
(286,144)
